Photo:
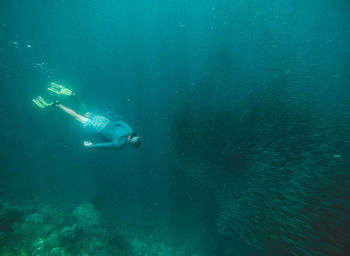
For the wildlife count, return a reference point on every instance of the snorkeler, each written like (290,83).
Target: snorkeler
(115,134)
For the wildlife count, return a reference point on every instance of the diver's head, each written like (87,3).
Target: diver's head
(135,140)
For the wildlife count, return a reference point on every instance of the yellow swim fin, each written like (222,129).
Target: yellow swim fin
(59,89)
(41,103)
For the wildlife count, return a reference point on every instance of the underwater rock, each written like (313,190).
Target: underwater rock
(38,247)
(86,217)
(68,232)
(32,225)
(78,233)
(53,240)
(34,219)
(8,216)
(57,251)
(156,248)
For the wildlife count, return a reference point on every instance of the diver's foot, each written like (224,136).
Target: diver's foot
(55,103)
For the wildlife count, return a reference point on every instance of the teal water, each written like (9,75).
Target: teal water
(243,108)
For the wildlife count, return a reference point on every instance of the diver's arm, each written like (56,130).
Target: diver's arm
(105,145)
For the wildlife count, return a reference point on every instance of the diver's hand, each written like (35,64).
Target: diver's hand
(87,143)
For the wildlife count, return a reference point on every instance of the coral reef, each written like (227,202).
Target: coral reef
(39,229)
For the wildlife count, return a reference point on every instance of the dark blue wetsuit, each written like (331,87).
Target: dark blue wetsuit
(115,134)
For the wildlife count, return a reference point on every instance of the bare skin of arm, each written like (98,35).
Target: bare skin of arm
(80,118)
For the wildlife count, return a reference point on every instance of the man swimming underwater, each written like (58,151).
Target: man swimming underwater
(115,134)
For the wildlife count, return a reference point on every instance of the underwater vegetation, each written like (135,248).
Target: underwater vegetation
(43,230)
(279,169)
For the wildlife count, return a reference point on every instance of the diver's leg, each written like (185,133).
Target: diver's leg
(59,89)
(80,118)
